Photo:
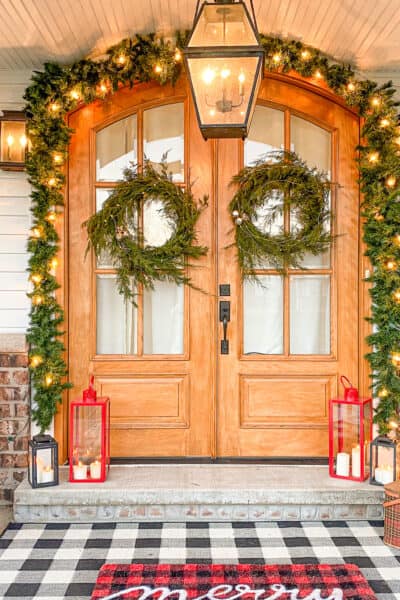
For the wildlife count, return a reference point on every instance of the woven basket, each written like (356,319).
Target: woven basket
(391,505)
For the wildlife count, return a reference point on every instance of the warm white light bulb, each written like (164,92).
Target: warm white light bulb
(225,73)
(23,140)
(242,77)
(208,76)
(10,140)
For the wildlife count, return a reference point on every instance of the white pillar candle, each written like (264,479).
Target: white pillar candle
(95,469)
(343,464)
(80,471)
(356,461)
(47,475)
(384,474)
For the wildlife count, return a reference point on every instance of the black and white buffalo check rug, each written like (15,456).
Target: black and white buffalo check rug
(62,561)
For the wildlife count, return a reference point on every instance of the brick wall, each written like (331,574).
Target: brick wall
(14,421)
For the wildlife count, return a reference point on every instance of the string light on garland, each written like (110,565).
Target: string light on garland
(390,265)
(49,379)
(134,60)
(378,216)
(373,157)
(396,295)
(383,393)
(37,299)
(276,58)
(36,232)
(75,95)
(384,123)
(157,69)
(52,182)
(391,181)
(177,55)
(58,158)
(36,278)
(51,216)
(35,361)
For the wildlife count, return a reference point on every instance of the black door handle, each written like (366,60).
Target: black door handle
(225,317)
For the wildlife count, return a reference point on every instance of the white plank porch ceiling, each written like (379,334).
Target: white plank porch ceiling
(365,32)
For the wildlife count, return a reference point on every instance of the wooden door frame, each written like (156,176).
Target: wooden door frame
(62,294)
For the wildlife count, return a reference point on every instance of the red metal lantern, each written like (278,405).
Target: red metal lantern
(350,434)
(89,443)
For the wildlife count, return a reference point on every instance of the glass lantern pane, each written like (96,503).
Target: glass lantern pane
(224,88)
(44,465)
(163,138)
(220,25)
(13,141)
(266,134)
(87,435)
(116,147)
(346,432)
(263,315)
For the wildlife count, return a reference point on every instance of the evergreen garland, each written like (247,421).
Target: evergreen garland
(59,89)
(284,183)
(116,230)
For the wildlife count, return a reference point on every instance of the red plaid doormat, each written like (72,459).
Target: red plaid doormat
(232,582)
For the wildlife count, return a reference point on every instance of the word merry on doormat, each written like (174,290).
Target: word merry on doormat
(231,582)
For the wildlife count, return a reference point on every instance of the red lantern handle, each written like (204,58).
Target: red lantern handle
(343,379)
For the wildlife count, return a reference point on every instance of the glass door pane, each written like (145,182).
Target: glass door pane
(116,147)
(263,315)
(266,134)
(163,319)
(116,319)
(310,314)
(163,138)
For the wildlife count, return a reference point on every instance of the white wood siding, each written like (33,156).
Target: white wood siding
(14,226)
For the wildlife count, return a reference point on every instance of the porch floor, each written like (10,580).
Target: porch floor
(201,492)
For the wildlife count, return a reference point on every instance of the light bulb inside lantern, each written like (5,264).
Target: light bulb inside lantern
(10,140)
(225,73)
(208,75)
(23,141)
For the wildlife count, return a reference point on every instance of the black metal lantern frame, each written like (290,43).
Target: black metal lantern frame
(13,140)
(229,114)
(384,460)
(43,461)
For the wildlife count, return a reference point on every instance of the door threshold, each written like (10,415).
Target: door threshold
(220,461)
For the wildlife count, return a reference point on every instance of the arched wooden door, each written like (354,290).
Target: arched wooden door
(172,392)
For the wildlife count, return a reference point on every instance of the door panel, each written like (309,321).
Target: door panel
(146,359)
(290,338)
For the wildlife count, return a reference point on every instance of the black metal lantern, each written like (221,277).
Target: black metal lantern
(13,140)
(384,460)
(225,63)
(43,461)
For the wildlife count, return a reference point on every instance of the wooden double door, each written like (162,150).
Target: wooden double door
(172,391)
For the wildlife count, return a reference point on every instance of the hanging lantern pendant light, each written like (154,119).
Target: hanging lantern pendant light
(225,62)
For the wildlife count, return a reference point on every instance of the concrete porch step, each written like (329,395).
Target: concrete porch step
(199,492)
